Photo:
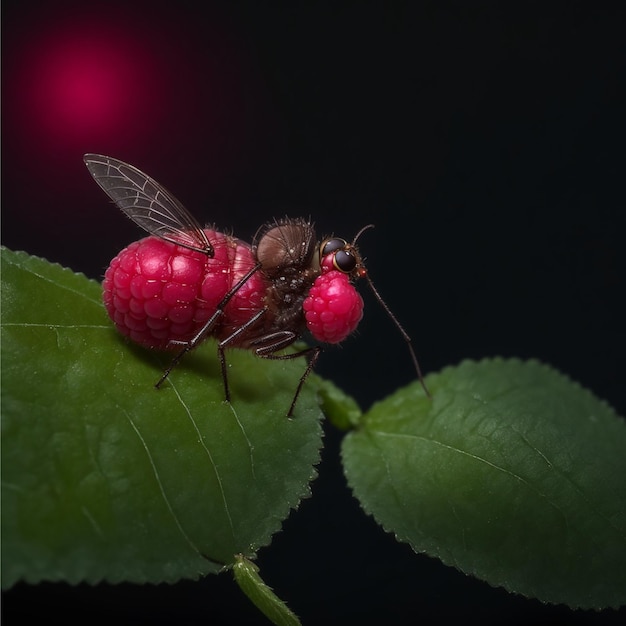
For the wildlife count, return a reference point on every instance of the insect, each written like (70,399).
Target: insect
(184,283)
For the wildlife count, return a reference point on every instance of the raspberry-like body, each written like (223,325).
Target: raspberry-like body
(157,292)
(333,308)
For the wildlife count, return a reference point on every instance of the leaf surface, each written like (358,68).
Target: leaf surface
(513,473)
(103,476)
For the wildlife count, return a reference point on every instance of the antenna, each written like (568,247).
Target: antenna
(363,274)
(403,332)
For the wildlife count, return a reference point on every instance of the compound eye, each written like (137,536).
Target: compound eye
(330,245)
(344,261)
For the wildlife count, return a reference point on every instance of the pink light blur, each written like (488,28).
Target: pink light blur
(84,83)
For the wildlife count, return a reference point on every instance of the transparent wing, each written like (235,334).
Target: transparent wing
(147,203)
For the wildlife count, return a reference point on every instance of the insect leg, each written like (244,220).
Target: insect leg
(315,351)
(222,345)
(190,345)
(267,347)
(205,331)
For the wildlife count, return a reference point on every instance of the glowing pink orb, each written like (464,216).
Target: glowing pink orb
(82,81)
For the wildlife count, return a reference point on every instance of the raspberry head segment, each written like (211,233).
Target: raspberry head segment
(333,308)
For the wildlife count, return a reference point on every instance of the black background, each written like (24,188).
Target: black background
(485,142)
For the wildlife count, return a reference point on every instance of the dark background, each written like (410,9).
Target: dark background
(485,142)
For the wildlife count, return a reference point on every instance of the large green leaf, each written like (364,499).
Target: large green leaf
(103,476)
(512,473)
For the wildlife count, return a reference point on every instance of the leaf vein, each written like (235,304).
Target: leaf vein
(59,285)
(160,484)
(480,459)
(248,442)
(54,326)
(209,456)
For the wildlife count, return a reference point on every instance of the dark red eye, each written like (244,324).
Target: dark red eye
(330,245)
(344,261)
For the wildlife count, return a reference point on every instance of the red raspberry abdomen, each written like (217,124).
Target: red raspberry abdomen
(157,292)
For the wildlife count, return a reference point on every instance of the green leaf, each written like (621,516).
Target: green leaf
(103,476)
(512,473)
(341,409)
(247,576)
